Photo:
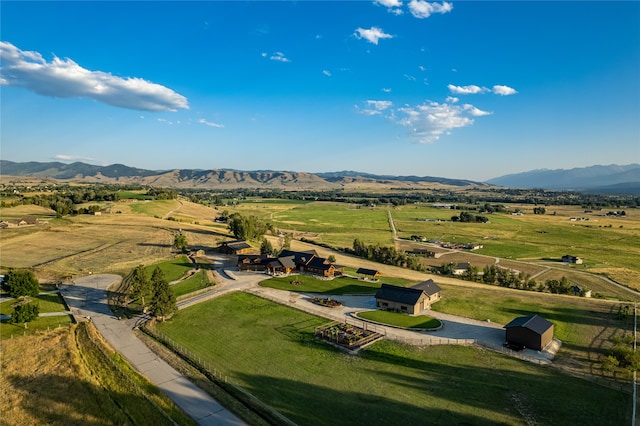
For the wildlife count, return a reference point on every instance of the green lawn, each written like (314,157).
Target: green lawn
(270,350)
(173,269)
(583,325)
(310,284)
(195,282)
(9,331)
(400,320)
(47,302)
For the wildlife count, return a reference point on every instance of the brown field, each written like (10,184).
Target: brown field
(110,243)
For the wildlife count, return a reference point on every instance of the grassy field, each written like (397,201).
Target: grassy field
(583,325)
(172,269)
(400,320)
(270,351)
(336,224)
(112,243)
(602,242)
(47,302)
(310,284)
(195,282)
(77,381)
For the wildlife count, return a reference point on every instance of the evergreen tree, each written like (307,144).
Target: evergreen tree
(21,282)
(163,301)
(267,248)
(24,313)
(140,284)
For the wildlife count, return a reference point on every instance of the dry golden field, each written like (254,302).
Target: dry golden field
(109,243)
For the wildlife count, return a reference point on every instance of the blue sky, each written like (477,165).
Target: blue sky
(468,89)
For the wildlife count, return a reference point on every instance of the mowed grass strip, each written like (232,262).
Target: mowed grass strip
(173,269)
(197,281)
(400,320)
(310,284)
(47,302)
(270,350)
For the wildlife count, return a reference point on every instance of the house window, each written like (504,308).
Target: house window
(403,308)
(385,304)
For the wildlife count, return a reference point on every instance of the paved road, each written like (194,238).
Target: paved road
(88,298)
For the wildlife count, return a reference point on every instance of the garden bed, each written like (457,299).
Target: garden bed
(326,302)
(347,336)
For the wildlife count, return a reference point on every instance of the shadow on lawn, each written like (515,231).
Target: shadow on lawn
(441,395)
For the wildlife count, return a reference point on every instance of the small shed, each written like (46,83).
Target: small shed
(533,332)
(236,247)
(368,273)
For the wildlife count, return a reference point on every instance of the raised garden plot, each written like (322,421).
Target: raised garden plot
(326,301)
(347,336)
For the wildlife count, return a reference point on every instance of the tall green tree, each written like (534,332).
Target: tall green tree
(24,313)
(140,284)
(163,301)
(267,248)
(21,282)
(180,242)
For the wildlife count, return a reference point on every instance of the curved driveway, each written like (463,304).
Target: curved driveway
(88,299)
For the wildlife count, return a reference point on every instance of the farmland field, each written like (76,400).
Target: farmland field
(313,383)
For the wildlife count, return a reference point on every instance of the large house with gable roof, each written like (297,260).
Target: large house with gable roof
(409,300)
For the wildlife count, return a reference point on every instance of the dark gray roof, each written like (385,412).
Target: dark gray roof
(287,261)
(300,257)
(532,322)
(365,271)
(428,287)
(319,263)
(394,293)
(463,265)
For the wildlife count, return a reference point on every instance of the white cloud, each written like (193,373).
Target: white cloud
(210,124)
(467,90)
(279,56)
(429,121)
(263,54)
(386,89)
(409,77)
(452,99)
(376,107)
(474,111)
(423,9)
(327,73)
(421,68)
(63,78)
(393,6)
(372,34)
(389,3)
(504,90)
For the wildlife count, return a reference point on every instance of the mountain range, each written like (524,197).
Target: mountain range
(604,179)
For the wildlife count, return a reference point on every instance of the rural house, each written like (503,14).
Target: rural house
(288,262)
(461,268)
(368,273)
(567,258)
(236,247)
(409,300)
(532,332)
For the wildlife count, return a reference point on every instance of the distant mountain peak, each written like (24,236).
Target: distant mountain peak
(609,178)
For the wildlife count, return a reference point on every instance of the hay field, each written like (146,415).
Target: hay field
(110,243)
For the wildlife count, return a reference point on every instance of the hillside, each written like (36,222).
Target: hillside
(606,179)
(222,178)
